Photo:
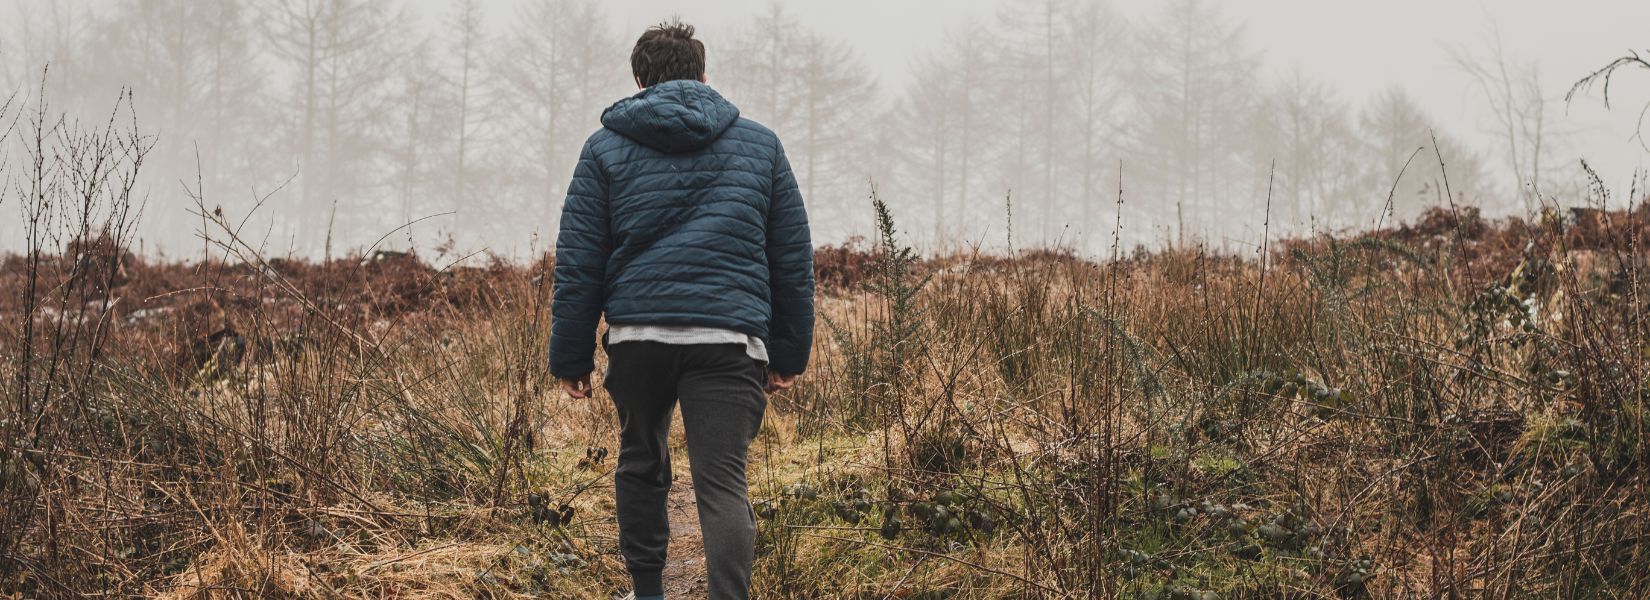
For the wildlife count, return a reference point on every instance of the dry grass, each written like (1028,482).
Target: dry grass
(1454,408)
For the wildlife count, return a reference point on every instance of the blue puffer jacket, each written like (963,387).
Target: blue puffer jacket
(682,213)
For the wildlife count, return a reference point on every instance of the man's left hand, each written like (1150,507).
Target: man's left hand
(778,382)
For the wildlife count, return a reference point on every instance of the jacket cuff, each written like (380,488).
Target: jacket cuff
(787,363)
(575,370)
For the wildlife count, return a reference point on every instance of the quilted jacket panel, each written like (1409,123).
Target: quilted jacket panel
(681,212)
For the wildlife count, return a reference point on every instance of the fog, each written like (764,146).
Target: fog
(451,128)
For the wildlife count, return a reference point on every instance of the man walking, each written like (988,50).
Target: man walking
(685,227)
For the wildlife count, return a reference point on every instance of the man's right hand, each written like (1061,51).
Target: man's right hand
(578,387)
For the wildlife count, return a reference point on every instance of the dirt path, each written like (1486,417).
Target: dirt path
(685,565)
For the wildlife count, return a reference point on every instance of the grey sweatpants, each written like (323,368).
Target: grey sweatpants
(720,389)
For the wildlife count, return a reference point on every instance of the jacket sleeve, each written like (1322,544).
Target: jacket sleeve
(582,250)
(790,273)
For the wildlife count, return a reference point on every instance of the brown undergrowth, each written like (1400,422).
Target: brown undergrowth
(1449,408)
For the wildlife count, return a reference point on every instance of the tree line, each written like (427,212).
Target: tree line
(348,118)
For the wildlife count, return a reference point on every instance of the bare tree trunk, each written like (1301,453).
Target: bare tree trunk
(939,181)
(466,48)
(1048,117)
(966,147)
(310,210)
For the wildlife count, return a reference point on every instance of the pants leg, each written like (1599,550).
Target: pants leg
(641,378)
(722,397)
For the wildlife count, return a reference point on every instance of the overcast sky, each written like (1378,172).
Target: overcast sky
(1357,46)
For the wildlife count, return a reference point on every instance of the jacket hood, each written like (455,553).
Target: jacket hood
(672,117)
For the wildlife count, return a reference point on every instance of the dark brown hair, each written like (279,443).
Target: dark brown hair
(667,52)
